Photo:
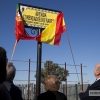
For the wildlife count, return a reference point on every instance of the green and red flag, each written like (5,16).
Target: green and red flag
(20,28)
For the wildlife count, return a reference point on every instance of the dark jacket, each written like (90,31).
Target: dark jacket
(4,94)
(85,95)
(14,91)
(52,96)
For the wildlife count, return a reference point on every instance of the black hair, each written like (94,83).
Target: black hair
(3,63)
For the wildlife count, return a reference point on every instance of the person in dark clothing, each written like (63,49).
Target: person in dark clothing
(4,94)
(14,91)
(52,86)
(95,86)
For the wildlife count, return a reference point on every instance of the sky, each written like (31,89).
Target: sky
(82,18)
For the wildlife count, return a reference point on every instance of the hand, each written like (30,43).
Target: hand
(81,91)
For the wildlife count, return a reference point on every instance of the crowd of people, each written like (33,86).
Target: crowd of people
(8,91)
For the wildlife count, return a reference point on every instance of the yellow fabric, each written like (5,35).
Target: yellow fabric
(48,34)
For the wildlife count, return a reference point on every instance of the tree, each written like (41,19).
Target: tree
(54,69)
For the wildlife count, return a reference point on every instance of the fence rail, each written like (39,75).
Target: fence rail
(72,90)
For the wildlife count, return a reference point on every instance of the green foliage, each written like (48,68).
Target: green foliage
(54,69)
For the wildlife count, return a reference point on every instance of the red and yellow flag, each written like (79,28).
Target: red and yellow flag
(52,33)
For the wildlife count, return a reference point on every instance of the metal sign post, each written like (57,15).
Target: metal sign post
(38,72)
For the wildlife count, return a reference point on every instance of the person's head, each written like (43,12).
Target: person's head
(97,71)
(11,71)
(51,83)
(3,63)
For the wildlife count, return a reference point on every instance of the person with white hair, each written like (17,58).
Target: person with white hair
(51,85)
(95,86)
(14,91)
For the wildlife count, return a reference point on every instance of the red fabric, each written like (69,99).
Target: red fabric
(59,29)
(20,32)
(38,38)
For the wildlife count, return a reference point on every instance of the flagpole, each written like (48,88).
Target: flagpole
(38,71)
(13,50)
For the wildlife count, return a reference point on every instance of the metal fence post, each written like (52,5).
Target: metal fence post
(76,91)
(29,81)
(88,85)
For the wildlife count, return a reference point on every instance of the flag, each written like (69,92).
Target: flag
(52,33)
(20,29)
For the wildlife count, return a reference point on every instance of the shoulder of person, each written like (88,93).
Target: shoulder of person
(16,88)
(61,93)
(95,85)
(5,94)
(44,94)
(40,96)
